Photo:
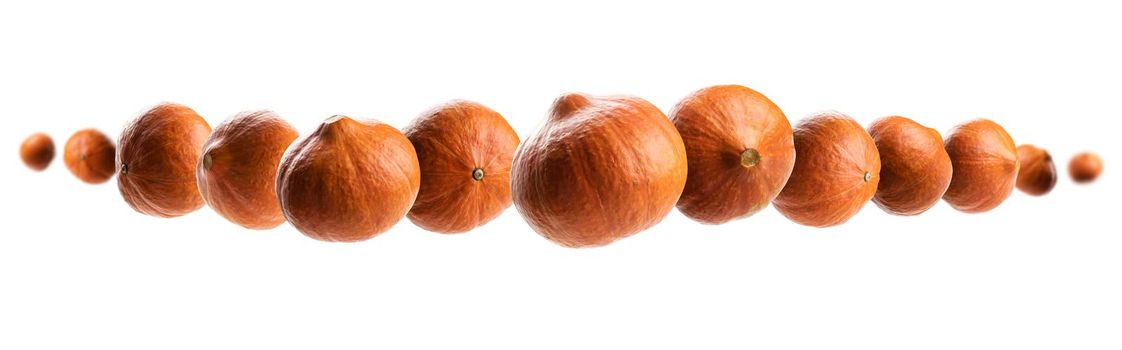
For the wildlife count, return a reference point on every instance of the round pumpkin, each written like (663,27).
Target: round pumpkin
(89,155)
(1085,167)
(37,151)
(237,172)
(837,169)
(915,168)
(599,169)
(465,150)
(348,181)
(739,149)
(1037,174)
(985,166)
(156,158)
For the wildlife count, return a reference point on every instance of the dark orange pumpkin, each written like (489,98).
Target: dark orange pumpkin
(156,158)
(837,169)
(237,172)
(915,168)
(1037,174)
(1085,167)
(599,169)
(985,166)
(740,152)
(37,151)
(89,155)
(465,150)
(348,181)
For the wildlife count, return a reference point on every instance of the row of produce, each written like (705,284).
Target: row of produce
(599,169)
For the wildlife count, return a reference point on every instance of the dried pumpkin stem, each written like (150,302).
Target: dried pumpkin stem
(749,158)
(868,176)
(207,161)
(477,174)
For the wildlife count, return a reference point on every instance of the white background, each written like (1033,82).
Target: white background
(80,269)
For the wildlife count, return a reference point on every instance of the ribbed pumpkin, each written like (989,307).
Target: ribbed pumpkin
(740,152)
(985,166)
(348,181)
(1037,174)
(915,168)
(599,169)
(465,150)
(156,158)
(837,168)
(90,156)
(37,151)
(238,169)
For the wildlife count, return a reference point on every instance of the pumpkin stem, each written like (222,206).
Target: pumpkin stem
(124,169)
(868,176)
(477,174)
(207,161)
(749,158)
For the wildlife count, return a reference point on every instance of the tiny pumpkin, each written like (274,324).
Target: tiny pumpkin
(915,167)
(37,151)
(465,150)
(89,155)
(1037,174)
(348,181)
(156,158)
(237,172)
(599,169)
(837,169)
(1085,167)
(985,164)
(739,149)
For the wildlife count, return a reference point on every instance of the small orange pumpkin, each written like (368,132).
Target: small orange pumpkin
(465,150)
(156,157)
(985,166)
(1037,174)
(37,151)
(89,155)
(915,167)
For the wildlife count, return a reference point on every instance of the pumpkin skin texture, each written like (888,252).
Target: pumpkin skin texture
(1037,174)
(37,151)
(156,157)
(599,169)
(238,168)
(740,152)
(837,169)
(915,167)
(465,150)
(1085,167)
(348,181)
(985,166)
(90,156)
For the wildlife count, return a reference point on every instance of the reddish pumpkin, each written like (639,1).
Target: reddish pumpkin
(348,181)
(915,168)
(237,172)
(89,155)
(1085,167)
(37,151)
(600,169)
(985,166)
(465,150)
(740,152)
(1037,174)
(837,169)
(156,156)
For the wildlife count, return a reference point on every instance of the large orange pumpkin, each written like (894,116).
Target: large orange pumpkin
(985,166)
(599,169)
(90,156)
(156,158)
(915,168)
(465,150)
(837,168)
(237,172)
(348,181)
(740,152)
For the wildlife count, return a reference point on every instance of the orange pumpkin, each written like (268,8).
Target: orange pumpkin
(740,152)
(1085,167)
(156,157)
(837,168)
(348,181)
(237,172)
(465,150)
(37,151)
(985,166)
(90,156)
(1037,174)
(599,169)
(915,168)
